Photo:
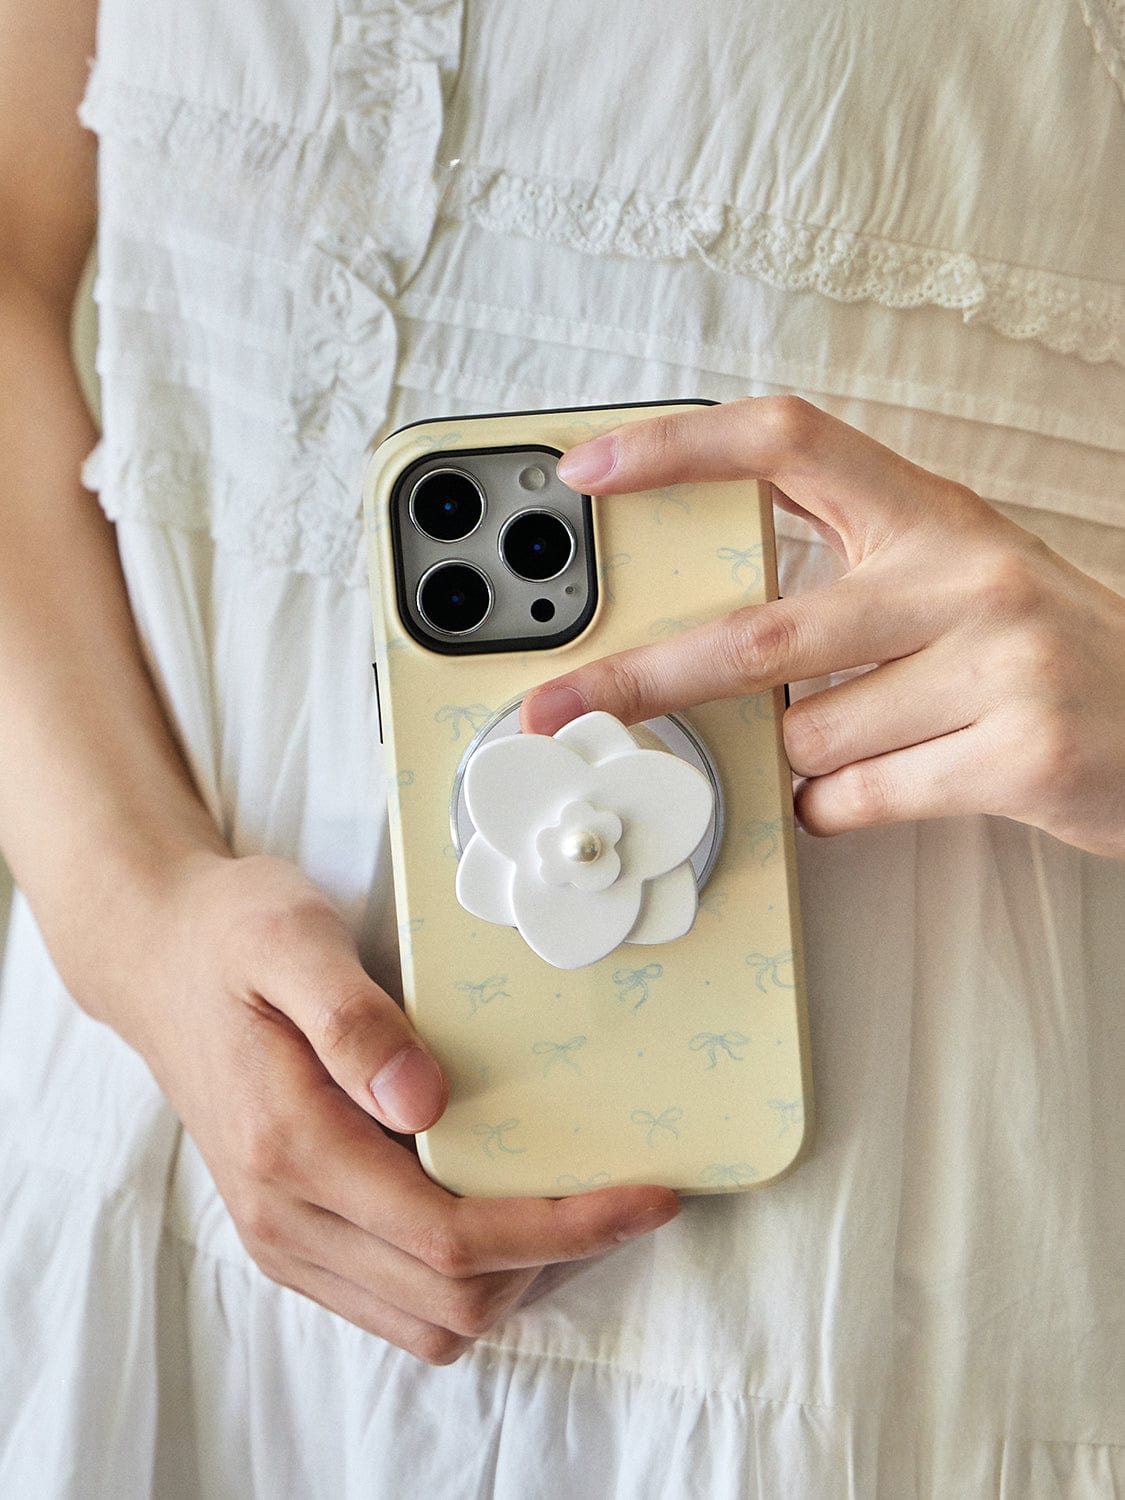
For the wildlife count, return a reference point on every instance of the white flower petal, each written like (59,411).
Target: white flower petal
(578,817)
(596,736)
(484,882)
(664,804)
(597,876)
(553,868)
(570,928)
(516,785)
(529,796)
(606,824)
(668,907)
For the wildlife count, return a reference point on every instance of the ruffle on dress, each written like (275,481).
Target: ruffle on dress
(389,70)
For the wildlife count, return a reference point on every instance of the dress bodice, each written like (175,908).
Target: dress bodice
(911,213)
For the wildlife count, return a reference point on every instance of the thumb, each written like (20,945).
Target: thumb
(313,975)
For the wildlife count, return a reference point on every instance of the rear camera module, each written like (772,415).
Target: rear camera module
(537,544)
(454,598)
(446,505)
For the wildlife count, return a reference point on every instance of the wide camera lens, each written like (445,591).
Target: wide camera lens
(454,598)
(537,544)
(447,505)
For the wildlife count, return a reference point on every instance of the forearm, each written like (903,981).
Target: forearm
(96,803)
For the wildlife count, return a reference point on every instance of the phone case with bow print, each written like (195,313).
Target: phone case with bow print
(599,930)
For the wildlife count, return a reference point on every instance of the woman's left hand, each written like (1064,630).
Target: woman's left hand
(999,669)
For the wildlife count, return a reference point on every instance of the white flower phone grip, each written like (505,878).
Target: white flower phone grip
(583,840)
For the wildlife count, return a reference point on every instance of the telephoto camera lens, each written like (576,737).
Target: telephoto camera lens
(446,505)
(454,598)
(537,544)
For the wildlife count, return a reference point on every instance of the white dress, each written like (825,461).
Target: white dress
(320,222)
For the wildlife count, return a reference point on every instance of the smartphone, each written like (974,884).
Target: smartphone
(683,1062)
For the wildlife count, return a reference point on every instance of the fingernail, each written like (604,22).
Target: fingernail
(589,462)
(554,707)
(409,1090)
(652,1218)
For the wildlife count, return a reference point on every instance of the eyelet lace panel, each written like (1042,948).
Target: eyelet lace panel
(1067,314)
(1106,20)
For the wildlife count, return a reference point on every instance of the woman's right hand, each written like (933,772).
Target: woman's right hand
(290,1068)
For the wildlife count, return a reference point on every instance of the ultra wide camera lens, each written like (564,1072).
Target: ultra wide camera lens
(454,598)
(537,544)
(446,505)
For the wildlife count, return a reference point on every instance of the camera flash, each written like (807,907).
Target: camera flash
(533,478)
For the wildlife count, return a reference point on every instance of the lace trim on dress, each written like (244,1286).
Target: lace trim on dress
(1106,20)
(209,138)
(1067,314)
(184,491)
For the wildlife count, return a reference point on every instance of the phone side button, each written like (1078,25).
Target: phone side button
(378,700)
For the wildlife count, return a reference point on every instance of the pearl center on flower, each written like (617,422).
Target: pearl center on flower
(582,845)
(580,850)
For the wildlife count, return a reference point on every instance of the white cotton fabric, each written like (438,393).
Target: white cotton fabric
(910,213)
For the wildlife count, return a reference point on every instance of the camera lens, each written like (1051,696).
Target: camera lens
(537,544)
(446,505)
(454,598)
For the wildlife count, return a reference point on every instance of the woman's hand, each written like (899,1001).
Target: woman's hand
(999,681)
(235,979)
(289,1067)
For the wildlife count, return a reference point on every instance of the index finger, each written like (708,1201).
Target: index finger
(761,646)
(379,1185)
(837,474)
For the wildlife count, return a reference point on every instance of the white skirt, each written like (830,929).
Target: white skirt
(933,1304)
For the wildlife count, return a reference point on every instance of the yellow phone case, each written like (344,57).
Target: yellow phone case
(684,1063)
